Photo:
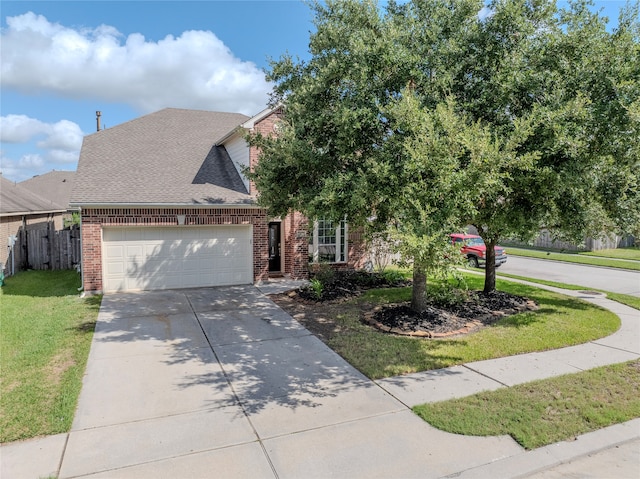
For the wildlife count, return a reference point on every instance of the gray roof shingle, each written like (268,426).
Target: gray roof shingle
(168,157)
(14,199)
(55,186)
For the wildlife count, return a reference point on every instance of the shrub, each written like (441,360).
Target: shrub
(317,287)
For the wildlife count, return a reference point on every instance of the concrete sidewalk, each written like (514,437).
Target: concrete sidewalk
(220,382)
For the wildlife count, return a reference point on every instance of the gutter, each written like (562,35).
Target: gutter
(166,205)
(27,213)
(81,288)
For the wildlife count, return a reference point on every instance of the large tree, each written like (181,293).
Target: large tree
(428,116)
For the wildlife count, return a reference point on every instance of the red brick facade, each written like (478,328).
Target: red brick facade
(295,228)
(266,126)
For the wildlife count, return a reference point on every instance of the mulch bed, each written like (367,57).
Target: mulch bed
(448,320)
(438,321)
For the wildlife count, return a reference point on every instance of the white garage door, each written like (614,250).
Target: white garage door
(176,257)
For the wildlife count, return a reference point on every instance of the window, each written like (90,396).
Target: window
(328,242)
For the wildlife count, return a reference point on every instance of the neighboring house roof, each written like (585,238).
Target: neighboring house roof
(16,200)
(55,186)
(169,157)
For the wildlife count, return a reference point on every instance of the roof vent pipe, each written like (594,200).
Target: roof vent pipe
(98,120)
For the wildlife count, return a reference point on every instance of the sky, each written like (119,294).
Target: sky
(61,61)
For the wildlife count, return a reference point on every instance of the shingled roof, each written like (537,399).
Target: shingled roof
(55,186)
(16,200)
(169,157)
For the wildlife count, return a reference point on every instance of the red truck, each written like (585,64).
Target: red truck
(474,249)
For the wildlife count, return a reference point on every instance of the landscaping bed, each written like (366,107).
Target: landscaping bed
(453,313)
(444,320)
(558,322)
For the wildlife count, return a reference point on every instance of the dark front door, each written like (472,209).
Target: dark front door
(274,247)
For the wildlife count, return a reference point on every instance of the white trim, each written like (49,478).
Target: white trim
(315,246)
(251,122)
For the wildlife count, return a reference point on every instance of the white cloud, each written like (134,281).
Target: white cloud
(31,161)
(20,128)
(64,135)
(194,70)
(57,144)
(63,157)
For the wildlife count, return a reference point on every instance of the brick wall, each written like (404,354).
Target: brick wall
(358,254)
(94,219)
(266,127)
(296,246)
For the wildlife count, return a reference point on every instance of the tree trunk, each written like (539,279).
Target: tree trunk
(490,268)
(419,290)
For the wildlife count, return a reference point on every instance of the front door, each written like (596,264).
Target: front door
(274,248)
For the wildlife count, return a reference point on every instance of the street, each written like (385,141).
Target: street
(607,279)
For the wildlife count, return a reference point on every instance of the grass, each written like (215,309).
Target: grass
(546,411)
(631,263)
(560,322)
(632,253)
(46,335)
(631,301)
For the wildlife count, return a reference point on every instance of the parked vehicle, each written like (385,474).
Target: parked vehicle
(474,249)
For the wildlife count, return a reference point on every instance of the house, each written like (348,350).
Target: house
(164,204)
(22,210)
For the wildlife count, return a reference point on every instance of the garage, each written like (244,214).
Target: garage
(149,258)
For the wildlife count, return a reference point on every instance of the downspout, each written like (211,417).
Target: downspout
(81,288)
(25,252)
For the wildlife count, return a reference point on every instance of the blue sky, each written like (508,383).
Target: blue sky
(61,61)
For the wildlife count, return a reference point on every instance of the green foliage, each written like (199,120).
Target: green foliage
(74,220)
(393,276)
(444,294)
(317,287)
(423,117)
(324,273)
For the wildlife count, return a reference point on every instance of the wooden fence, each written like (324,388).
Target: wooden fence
(545,240)
(47,248)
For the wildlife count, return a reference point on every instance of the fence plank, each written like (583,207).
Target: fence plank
(48,249)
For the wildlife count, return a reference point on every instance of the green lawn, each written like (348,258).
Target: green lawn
(631,301)
(46,334)
(547,411)
(627,260)
(561,321)
(632,253)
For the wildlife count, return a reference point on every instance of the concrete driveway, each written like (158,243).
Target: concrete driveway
(220,382)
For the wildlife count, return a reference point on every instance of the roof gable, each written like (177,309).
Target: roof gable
(167,157)
(218,168)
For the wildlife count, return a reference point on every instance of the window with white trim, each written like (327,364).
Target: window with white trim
(328,242)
